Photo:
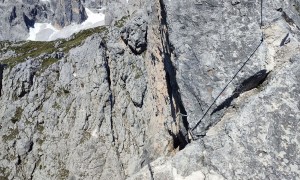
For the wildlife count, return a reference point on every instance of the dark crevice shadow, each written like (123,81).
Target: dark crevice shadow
(109,81)
(289,20)
(28,22)
(177,108)
(1,77)
(248,84)
(284,40)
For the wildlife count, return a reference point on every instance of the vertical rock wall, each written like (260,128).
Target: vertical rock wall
(105,110)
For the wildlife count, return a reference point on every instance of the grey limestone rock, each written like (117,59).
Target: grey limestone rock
(68,11)
(254,141)
(19,16)
(123,101)
(21,78)
(207,58)
(252,137)
(95,3)
(134,33)
(86,115)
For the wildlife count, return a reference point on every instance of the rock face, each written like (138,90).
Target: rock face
(19,16)
(148,97)
(68,11)
(135,35)
(95,3)
(251,131)
(95,112)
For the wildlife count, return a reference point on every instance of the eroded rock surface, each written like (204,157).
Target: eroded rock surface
(123,101)
(18,16)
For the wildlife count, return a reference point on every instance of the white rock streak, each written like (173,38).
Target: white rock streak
(47,32)
(95,133)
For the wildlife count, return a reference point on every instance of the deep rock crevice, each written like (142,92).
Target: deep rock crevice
(13,15)
(28,22)
(1,77)
(285,40)
(108,78)
(178,111)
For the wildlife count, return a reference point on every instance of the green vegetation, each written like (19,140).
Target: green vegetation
(28,49)
(138,74)
(3,175)
(47,62)
(40,141)
(64,173)
(3,44)
(85,136)
(27,122)
(62,92)
(40,128)
(18,115)
(56,106)
(34,49)
(78,38)
(11,136)
(120,23)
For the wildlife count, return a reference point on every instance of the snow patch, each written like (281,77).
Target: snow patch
(46,1)
(47,32)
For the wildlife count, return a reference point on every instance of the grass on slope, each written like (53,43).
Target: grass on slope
(34,49)
(121,22)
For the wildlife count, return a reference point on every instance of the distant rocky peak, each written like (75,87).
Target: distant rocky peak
(21,15)
(68,11)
